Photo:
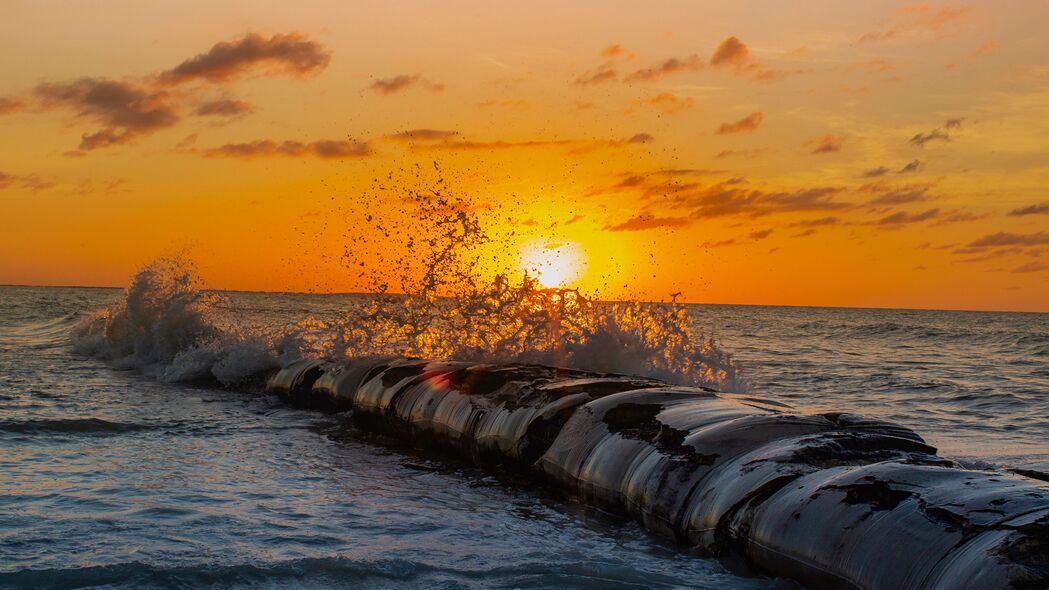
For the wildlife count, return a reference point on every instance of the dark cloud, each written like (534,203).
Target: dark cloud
(30,182)
(327,149)
(722,201)
(826,144)
(731,51)
(1039,209)
(11,104)
(125,110)
(804,234)
(957,216)
(822,221)
(599,76)
(744,125)
(224,107)
(913,166)
(1031,267)
(288,53)
(646,222)
(424,135)
(640,138)
(896,194)
(760,235)
(875,172)
(1002,239)
(403,82)
(901,218)
(939,134)
(669,67)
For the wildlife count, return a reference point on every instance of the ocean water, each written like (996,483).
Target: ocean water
(118,478)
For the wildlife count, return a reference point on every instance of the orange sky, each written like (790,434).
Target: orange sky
(823,153)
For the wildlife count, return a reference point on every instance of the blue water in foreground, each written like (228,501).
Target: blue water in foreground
(111,479)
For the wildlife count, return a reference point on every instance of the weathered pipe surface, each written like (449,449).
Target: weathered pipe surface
(827,500)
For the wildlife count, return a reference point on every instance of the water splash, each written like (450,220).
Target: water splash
(437,297)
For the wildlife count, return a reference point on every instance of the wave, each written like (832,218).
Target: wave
(69,426)
(168,325)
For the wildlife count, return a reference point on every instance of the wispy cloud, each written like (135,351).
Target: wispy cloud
(403,82)
(29,182)
(325,149)
(745,125)
(224,107)
(647,222)
(668,103)
(826,144)
(1000,239)
(1038,209)
(917,18)
(667,67)
(938,134)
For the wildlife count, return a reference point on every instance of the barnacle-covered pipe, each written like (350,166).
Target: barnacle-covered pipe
(829,500)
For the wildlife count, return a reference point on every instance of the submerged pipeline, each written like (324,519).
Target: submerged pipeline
(830,500)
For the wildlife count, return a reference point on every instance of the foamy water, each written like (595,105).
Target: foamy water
(132,478)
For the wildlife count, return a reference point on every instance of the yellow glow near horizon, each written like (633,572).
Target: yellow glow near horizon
(554,264)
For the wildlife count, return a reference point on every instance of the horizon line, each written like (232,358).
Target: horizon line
(343,293)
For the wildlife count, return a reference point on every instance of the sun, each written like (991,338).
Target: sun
(553,264)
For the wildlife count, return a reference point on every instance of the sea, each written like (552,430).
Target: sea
(123,474)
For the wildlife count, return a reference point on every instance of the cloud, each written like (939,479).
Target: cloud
(509,103)
(669,103)
(822,221)
(224,107)
(917,18)
(985,48)
(731,51)
(616,50)
(1002,239)
(938,134)
(897,194)
(402,82)
(875,172)
(1039,209)
(760,235)
(958,216)
(1031,267)
(901,218)
(423,135)
(288,53)
(669,67)
(913,166)
(11,104)
(646,222)
(826,144)
(30,182)
(744,125)
(804,234)
(599,76)
(722,200)
(744,153)
(326,149)
(125,110)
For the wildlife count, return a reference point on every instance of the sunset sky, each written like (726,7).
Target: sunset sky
(884,154)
